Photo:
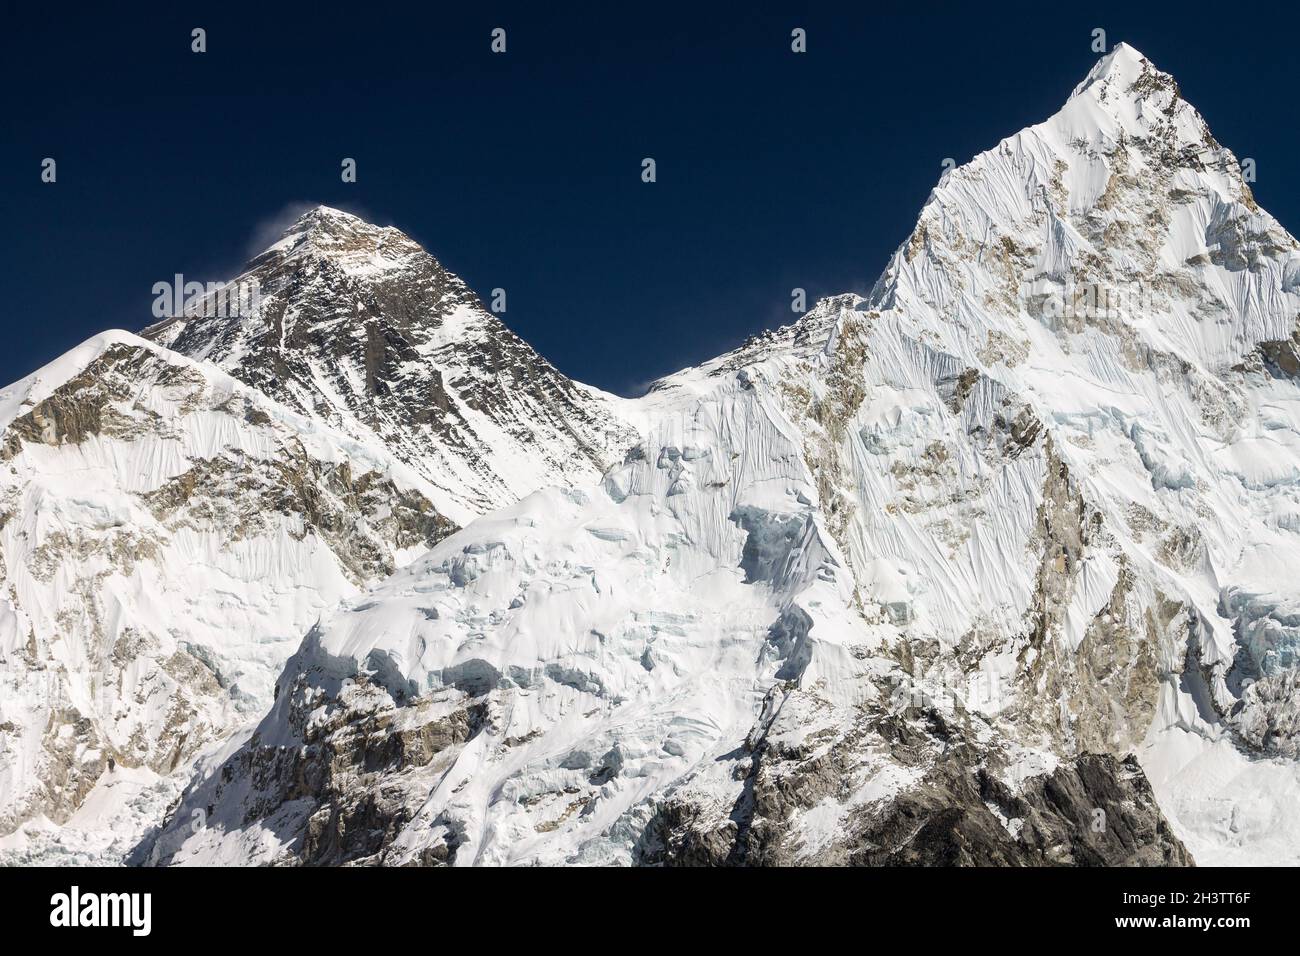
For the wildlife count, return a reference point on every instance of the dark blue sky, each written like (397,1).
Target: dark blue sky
(522,171)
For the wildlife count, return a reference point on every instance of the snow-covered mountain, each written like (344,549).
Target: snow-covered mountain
(360,328)
(167,534)
(171,529)
(991,566)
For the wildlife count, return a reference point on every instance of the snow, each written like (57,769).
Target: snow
(110,822)
(1230,809)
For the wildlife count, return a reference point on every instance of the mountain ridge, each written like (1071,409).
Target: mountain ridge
(359,327)
(873,586)
(985,567)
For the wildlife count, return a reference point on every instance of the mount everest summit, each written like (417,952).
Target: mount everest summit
(362,330)
(956,573)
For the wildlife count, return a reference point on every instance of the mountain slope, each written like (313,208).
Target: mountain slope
(363,330)
(1172,402)
(166,535)
(172,530)
(928,577)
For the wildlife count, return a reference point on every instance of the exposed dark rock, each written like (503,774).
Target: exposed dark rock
(1094,810)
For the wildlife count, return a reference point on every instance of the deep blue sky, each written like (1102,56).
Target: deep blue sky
(523,171)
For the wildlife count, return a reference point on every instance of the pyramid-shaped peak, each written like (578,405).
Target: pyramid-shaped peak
(1124,72)
(326,230)
(328,220)
(322,214)
(1126,96)
(1123,59)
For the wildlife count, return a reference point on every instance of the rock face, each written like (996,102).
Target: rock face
(361,329)
(970,571)
(1095,810)
(166,535)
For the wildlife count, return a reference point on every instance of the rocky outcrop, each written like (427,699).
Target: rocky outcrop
(955,810)
(352,774)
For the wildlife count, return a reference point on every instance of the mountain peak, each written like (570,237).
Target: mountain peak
(1123,61)
(327,217)
(1127,86)
(359,326)
(1125,186)
(329,212)
(324,229)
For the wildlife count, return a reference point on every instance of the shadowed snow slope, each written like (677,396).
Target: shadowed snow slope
(928,577)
